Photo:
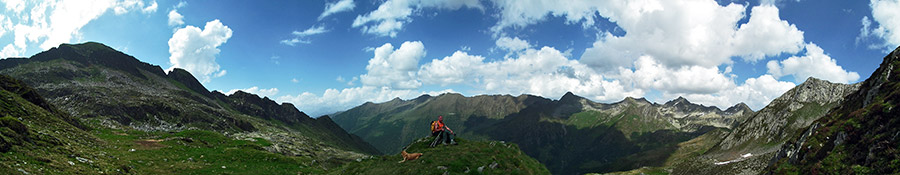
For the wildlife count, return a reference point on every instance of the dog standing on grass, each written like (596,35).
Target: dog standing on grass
(408,156)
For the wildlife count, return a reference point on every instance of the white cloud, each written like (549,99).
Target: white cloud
(195,50)
(151,8)
(14,5)
(512,44)
(294,41)
(334,100)
(766,35)
(314,30)
(181,4)
(271,92)
(650,74)
(391,15)
(545,72)
(692,33)
(394,68)
(755,92)
(340,6)
(175,18)
(50,23)
(885,14)
(295,80)
(814,64)
(298,35)
(124,6)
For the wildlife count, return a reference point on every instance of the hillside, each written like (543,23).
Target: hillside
(469,157)
(570,135)
(858,136)
(748,148)
(111,90)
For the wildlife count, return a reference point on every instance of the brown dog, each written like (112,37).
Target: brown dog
(408,156)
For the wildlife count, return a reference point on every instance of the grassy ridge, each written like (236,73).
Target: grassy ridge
(464,158)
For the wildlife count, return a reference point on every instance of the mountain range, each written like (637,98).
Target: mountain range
(569,135)
(87,108)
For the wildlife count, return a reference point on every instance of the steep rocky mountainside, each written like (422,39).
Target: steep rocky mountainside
(570,135)
(748,148)
(861,135)
(32,130)
(99,84)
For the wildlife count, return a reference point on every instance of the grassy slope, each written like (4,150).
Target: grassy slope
(464,158)
(855,137)
(37,140)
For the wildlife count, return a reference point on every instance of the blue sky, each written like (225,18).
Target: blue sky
(332,55)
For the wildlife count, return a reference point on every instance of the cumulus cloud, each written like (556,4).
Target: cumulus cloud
(512,44)
(755,92)
(271,92)
(545,72)
(50,23)
(815,63)
(340,6)
(392,15)
(194,49)
(394,68)
(334,100)
(175,18)
(692,33)
(887,18)
(650,74)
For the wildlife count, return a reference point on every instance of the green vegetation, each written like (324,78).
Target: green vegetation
(492,157)
(200,152)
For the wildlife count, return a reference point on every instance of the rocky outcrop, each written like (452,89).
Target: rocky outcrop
(858,136)
(748,148)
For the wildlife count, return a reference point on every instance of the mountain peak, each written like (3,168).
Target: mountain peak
(738,107)
(677,101)
(570,98)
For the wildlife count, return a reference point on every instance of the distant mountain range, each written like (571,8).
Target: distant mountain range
(569,135)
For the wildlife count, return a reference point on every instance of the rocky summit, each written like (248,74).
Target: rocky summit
(748,148)
(858,136)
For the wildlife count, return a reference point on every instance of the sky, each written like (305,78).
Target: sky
(332,55)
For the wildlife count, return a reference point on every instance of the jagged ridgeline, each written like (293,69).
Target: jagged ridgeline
(748,148)
(861,135)
(572,135)
(108,92)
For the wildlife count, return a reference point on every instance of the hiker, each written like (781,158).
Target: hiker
(441,132)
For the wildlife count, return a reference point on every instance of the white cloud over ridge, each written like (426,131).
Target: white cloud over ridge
(271,92)
(194,49)
(340,6)
(693,44)
(50,23)
(814,64)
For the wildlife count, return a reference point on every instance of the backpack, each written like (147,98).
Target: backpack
(434,126)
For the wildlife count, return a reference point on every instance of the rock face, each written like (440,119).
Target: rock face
(858,136)
(763,133)
(94,82)
(570,135)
